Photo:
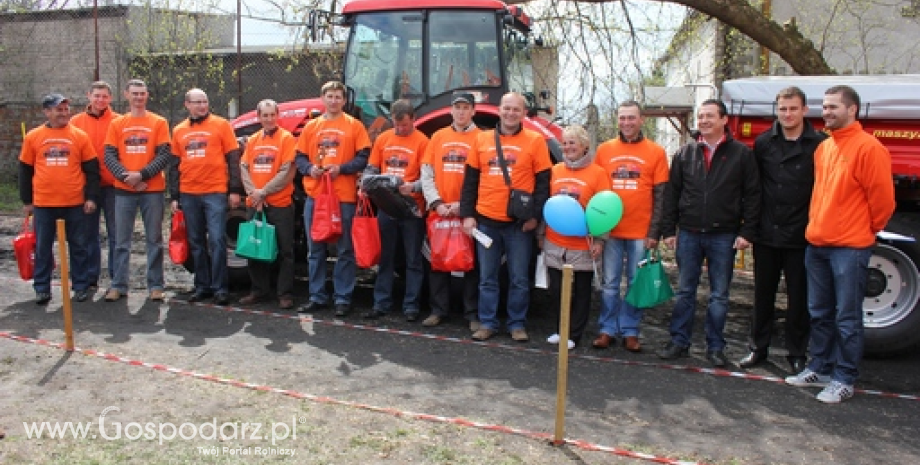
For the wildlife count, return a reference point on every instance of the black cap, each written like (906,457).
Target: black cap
(465,97)
(53,100)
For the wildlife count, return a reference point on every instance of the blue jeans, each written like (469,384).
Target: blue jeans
(45,223)
(619,318)
(151,205)
(345,271)
(692,248)
(105,206)
(836,289)
(516,245)
(205,222)
(412,231)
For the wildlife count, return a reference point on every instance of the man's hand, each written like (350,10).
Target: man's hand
(257,196)
(469,224)
(530,225)
(406,189)
(140,187)
(650,243)
(741,243)
(597,249)
(27,209)
(89,206)
(234,200)
(442,210)
(133,178)
(670,242)
(174,206)
(333,171)
(316,172)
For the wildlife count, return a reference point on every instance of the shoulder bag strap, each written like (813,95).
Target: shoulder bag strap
(501,158)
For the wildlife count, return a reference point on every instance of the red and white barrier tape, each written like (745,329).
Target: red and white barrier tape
(373,408)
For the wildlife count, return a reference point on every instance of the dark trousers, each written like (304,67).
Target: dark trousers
(769,264)
(282,218)
(439,285)
(581,300)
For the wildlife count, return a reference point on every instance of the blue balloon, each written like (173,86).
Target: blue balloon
(565,215)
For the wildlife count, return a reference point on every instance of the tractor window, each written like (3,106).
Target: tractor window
(384,60)
(464,50)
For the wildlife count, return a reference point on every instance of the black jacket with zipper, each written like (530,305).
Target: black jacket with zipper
(724,198)
(787,174)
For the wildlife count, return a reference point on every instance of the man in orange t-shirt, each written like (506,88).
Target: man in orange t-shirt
(337,144)
(268,176)
(484,206)
(58,179)
(442,180)
(204,175)
(137,152)
(95,123)
(398,152)
(852,200)
(638,169)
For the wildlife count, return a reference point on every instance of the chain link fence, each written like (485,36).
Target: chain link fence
(238,57)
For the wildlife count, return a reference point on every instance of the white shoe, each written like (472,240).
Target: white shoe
(554,339)
(835,393)
(808,378)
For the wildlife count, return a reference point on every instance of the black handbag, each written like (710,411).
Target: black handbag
(520,202)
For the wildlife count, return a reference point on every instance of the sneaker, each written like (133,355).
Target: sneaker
(520,335)
(475,326)
(221,298)
(835,393)
(42,298)
(432,320)
(553,339)
(112,295)
(252,298)
(808,378)
(80,296)
(156,295)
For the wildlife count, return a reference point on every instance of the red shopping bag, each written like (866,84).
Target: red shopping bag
(178,239)
(327,214)
(365,234)
(24,248)
(451,248)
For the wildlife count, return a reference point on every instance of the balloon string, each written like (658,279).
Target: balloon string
(597,279)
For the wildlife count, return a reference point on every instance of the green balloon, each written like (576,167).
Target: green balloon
(603,212)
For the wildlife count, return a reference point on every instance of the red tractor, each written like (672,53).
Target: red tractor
(891,112)
(423,51)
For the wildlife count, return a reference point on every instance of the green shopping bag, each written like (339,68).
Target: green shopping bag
(650,286)
(256,239)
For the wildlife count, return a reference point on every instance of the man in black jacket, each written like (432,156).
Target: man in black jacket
(785,159)
(713,197)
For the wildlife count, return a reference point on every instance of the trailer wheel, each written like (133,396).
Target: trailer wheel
(891,309)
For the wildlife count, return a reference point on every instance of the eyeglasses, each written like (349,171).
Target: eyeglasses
(198,102)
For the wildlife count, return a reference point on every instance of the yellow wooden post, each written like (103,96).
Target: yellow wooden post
(562,368)
(65,286)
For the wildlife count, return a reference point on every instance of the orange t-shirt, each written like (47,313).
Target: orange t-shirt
(401,156)
(136,140)
(447,153)
(202,151)
(581,185)
(57,156)
(526,154)
(634,170)
(264,156)
(333,142)
(96,129)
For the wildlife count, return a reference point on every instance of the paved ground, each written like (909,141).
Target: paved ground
(631,401)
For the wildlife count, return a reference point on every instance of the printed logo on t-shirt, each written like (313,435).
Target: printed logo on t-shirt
(57,155)
(626,176)
(495,168)
(136,144)
(455,160)
(196,147)
(264,161)
(571,191)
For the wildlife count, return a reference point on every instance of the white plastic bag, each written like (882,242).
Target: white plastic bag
(540,278)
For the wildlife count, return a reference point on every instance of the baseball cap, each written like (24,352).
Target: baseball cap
(53,100)
(465,97)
